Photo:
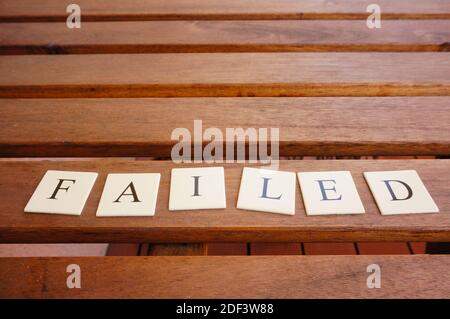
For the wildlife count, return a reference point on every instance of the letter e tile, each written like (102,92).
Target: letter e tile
(330,193)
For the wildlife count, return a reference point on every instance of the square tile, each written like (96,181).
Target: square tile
(129,195)
(61,192)
(400,192)
(330,193)
(197,188)
(267,191)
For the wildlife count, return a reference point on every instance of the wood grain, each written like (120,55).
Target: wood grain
(224,74)
(143,127)
(18,180)
(223,36)
(418,276)
(121,10)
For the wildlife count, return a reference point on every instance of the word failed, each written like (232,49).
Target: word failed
(203,188)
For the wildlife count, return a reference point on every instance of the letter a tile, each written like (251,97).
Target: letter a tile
(197,188)
(129,195)
(329,193)
(400,192)
(267,191)
(61,192)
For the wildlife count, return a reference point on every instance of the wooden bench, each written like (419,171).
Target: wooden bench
(118,86)
(227,277)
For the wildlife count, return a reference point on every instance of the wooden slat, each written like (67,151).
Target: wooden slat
(224,74)
(223,36)
(418,276)
(18,180)
(119,10)
(143,127)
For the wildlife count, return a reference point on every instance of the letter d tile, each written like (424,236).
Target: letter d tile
(400,192)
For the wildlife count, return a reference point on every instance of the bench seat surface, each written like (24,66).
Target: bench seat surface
(18,179)
(224,36)
(307,126)
(227,277)
(126,10)
(225,74)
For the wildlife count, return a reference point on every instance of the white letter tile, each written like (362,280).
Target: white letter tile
(267,191)
(329,193)
(61,192)
(197,188)
(129,195)
(400,192)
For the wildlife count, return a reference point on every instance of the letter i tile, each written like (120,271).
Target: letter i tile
(197,188)
(400,192)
